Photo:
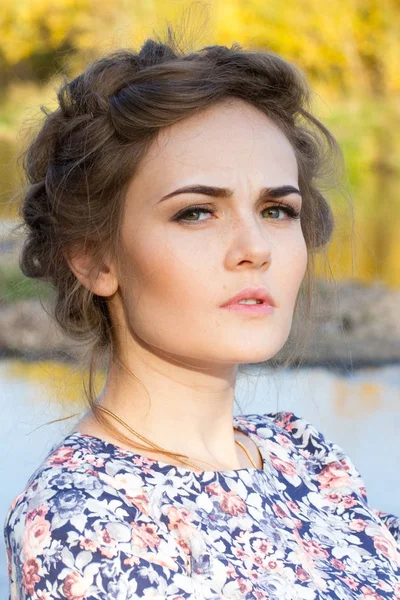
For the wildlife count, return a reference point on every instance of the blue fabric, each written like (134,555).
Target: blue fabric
(98,522)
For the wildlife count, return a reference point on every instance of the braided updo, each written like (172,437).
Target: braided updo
(87,151)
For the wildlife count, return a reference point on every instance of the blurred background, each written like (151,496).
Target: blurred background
(349,386)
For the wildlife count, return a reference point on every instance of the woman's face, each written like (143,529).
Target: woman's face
(180,271)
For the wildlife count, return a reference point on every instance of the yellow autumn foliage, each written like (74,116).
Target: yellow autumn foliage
(345,45)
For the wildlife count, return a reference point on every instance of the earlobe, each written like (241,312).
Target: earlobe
(102,282)
(105,283)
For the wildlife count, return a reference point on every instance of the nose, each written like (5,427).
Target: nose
(252,242)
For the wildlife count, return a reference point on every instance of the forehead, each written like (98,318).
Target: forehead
(225,141)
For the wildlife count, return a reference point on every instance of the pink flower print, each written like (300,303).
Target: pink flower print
(303,556)
(238,552)
(334,497)
(333,476)
(30,576)
(369,594)
(305,453)
(180,520)
(254,575)
(182,543)
(61,455)
(36,536)
(178,515)
(231,571)
(132,561)
(285,467)
(285,420)
(258,560)
(75,586)
(297,523)
(302,574)
(215,488)
(349,501)
(107,539)
(386,546)
(109,546)
(144,535)
(143,461)
(88,544)
(258,595)
(273,565)
(245,586)
(338,564)
(313,548)
(384,586)
(279,511)
(353,585)
(262,546)
(282,440)
(233,505)
(94,460)
(163,560)
(41,511)
(141,501)
(293,506)
(358,524)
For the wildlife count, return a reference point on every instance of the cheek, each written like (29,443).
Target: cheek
(302,254)
(166,275)
(291,261)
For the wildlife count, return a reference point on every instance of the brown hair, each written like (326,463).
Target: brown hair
(87,151)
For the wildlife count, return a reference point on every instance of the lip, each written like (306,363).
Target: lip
(258,293)
(250,309)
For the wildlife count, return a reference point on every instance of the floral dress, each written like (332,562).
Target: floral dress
(98,522)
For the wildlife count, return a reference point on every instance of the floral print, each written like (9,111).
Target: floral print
(97,522)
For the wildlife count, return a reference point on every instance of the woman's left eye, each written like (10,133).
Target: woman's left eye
(291,212)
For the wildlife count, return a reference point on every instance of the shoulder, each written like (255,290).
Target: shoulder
(84,525)
(67,493)
(302,442)
(299,431)
(333,467)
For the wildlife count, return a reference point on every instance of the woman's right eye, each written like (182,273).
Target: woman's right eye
(182,216)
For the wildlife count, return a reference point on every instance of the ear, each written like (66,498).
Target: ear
(102,283)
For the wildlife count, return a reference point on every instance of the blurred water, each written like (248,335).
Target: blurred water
(359,411)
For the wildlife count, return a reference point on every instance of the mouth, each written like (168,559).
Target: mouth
(262,308)
(252,298)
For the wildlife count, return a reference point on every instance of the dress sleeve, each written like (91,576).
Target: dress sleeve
(78,542)
(333,462)
(392,523)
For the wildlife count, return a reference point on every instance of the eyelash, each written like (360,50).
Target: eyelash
(291,212)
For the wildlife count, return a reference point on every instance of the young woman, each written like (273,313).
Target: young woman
(175,204)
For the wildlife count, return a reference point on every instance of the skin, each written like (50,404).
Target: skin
(173,334)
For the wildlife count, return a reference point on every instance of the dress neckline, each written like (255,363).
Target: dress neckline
(153,464)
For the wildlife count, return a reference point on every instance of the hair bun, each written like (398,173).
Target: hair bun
(153,53)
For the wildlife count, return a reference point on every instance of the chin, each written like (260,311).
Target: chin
(254,356)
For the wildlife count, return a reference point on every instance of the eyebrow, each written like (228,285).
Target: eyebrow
(218,192)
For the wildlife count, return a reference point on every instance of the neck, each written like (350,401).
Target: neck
(190,411)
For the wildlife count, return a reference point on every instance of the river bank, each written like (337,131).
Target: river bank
(356,326)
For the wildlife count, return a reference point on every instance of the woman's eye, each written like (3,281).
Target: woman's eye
(193,210)
(290,212)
